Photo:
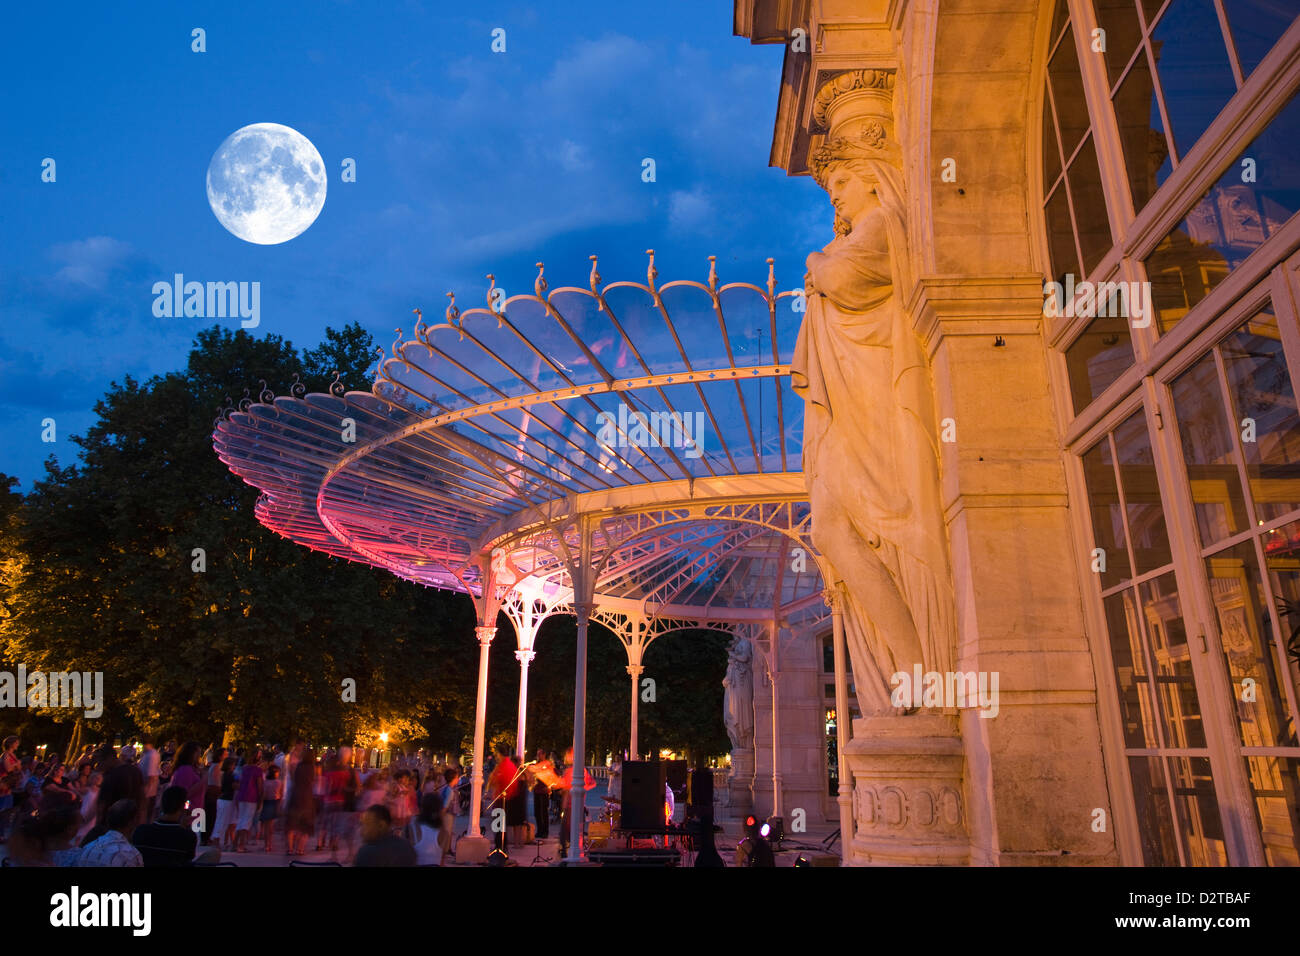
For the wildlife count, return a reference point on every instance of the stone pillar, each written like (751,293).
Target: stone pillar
(634,671)
(907,792)
(524,658)
(473,847)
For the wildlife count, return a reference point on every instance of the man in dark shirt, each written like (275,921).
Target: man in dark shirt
(380,846)
(167,842)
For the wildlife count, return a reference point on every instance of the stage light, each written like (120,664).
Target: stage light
(764,830)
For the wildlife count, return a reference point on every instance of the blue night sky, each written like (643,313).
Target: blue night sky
(468,162)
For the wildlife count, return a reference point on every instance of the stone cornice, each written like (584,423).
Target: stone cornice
(975,305)
(841,36)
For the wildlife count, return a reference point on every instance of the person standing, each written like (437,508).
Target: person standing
(224,831)
(150,767)
(187,776)
(300,820)
(213,794)
(272,790)
(502,786)
(248,798)
(541,795)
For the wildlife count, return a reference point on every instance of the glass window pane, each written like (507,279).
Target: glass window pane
(1256,194)
(1051,152)
(1141,132)
(1265,415)
(1059,18)
(1256,25)
(1275,783)
(1089,206)
(1067,94)
(1131,681)
(1208,453)
(1060,235)
(1246,630)
(1172,661)
(1107,521)
(1192,64)
(1120,21)
(1097,357)
(1155,819)
(1198,811)
(1146,516)
(1282,556)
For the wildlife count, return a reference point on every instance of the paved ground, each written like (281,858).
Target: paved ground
(810,843)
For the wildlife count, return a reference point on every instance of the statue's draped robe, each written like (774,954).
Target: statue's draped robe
(870,456)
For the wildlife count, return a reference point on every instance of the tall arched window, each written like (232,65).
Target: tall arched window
(1169,169)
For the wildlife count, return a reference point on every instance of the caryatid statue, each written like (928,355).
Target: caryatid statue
(738,698)
(871,454)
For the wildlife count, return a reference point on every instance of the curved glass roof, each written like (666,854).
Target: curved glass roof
(664,410)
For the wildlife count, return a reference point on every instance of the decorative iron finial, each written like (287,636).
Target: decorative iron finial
(297,389)
(419,323)
(595,276)
(453,313)
(713,273)
(266,396)
(221,417)
(245,402)
(771,279)
(651,273)
(397,343)
(539,284)
(491,298)
(336,386)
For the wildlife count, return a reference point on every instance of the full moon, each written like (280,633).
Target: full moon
(266,183)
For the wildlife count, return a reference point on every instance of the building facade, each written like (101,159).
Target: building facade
(1103,270)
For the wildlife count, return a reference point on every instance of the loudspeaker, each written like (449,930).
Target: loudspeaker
(699,793)
(643,795)
(676,774)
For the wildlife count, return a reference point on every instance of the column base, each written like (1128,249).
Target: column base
(473,849)
(740,782)
(907,798)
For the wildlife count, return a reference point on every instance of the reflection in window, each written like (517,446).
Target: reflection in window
(1192,64)
(1101,354)
(1107,518)
(1209,453)
(1275,784)
(1265,410)
(1135,704)
(1146,517)
(1172,661)
(1155,819)
(1257,193)
(1078,231)
(1255,26)
(1249,652)
(1142,132)
(1198,812)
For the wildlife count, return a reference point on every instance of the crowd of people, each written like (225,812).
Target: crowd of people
(182,805)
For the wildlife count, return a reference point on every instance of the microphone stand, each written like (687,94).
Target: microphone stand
(504,791)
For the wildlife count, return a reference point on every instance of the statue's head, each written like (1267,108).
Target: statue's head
(850,170)
(852,189)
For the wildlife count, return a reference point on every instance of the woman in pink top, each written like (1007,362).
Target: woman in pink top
(187,775)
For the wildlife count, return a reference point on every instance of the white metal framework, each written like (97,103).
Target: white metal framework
(629,451)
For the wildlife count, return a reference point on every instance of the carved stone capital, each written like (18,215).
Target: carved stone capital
(525,657)
(874,84)
(485,633)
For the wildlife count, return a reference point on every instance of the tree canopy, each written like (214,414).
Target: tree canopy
(145,561)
